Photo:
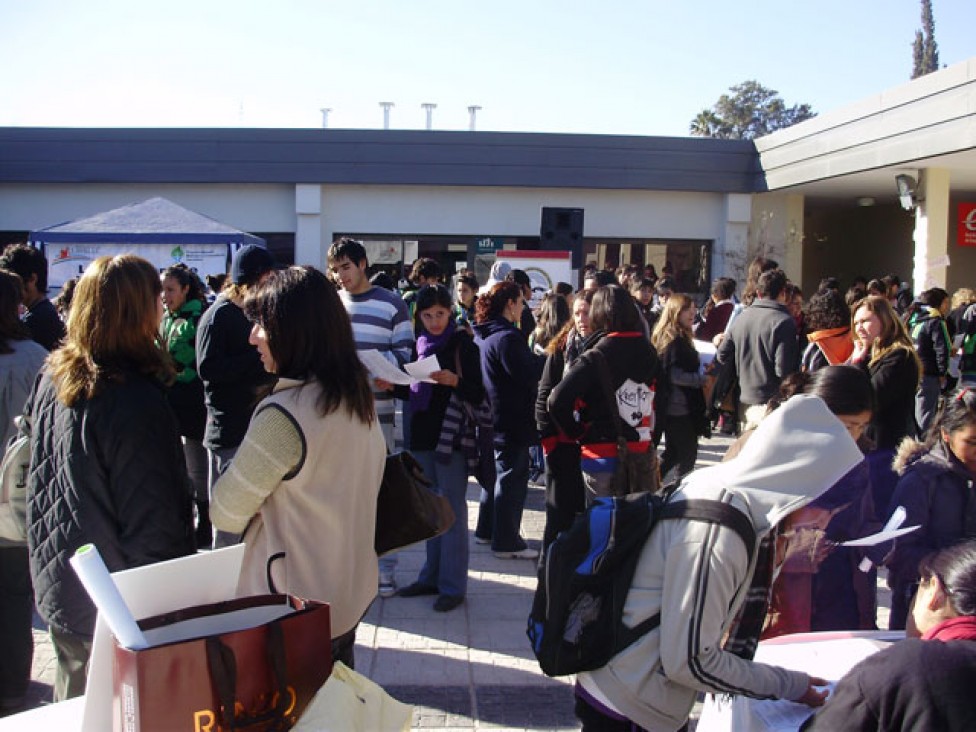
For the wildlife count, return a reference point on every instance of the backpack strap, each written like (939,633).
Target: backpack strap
(695,509)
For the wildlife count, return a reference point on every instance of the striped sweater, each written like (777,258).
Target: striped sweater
(380,322)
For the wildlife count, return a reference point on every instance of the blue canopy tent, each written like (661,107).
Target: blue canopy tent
(156,229)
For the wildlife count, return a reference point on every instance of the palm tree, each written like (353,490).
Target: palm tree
(706,124)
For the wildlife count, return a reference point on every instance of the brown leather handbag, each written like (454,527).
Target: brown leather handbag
(258,679)
(407,510)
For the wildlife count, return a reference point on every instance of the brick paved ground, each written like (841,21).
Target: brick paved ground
(469,669)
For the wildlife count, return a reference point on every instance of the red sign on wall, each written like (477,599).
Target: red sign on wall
(966,233)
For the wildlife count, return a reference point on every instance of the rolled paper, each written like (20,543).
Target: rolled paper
(91,570)
(896,519)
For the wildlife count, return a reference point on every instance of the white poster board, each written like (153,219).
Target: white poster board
(66,261)
(544,268)
(199,579)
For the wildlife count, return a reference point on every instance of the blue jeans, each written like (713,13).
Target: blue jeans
(220,458)
(446,567)
(500,515)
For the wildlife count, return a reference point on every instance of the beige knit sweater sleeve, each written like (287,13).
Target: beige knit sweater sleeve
(272,448)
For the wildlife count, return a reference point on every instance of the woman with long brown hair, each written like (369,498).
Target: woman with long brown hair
(108,465)
(884,349)
(684,414)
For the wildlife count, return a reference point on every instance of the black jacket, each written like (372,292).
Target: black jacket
(426,425)
(109,471)
(231,371)
(578,405)
(937,493)
(511,377)
(912,685)
(895,380)
(931,339)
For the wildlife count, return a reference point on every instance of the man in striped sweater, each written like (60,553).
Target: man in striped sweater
(380,322)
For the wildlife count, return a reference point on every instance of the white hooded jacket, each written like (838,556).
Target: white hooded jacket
(696,574)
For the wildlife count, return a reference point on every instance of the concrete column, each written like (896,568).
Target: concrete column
(310,244)
(931,230)
(730,251)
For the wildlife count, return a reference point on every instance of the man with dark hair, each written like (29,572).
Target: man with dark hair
(229,366)
(526,319)
(380,322)
(41,317)
(762,342)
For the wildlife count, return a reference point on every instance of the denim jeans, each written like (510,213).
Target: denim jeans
(219,460)
(16,637)
(446,567)
(500,514)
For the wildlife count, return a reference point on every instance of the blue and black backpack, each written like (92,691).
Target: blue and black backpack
(576,623)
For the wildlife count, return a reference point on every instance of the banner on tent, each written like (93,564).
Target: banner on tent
(66,261)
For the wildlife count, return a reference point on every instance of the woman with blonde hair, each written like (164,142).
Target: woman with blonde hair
(684,413)
(108,465)
(883,348)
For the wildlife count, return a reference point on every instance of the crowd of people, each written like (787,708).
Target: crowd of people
(167,418)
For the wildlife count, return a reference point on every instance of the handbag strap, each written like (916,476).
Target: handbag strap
(224,672)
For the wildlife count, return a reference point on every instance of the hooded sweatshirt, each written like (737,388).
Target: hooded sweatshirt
(696,574)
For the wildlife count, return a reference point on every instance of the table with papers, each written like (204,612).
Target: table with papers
(827,655)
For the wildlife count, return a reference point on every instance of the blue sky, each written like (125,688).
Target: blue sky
(610,67)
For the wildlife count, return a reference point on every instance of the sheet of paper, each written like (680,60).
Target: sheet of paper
(151,590)
(376,363)
(706,352)
(781,716)
(881,537)
(423,368)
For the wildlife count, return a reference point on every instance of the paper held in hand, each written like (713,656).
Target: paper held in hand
(412,373)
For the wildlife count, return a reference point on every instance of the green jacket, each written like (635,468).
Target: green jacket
(178,332)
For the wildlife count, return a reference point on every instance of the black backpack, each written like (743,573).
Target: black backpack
(585,575)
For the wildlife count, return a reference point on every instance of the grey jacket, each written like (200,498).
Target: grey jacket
(18,370)
(696,574)
(762,343)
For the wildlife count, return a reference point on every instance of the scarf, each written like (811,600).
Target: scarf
(835,343)
(427,344)
(961,628)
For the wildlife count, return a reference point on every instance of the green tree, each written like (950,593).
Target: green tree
(925,51)
(750,110)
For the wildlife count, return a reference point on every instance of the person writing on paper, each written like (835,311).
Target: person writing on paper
(926,681)
(936,489)
(305,479)
(696,576)
(107,463)
(440,426)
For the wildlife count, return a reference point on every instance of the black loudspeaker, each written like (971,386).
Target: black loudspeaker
(562,230)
